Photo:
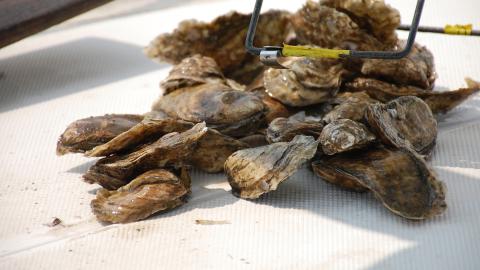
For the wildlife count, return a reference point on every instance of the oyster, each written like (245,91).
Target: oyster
(254,140)
(350,106)
(344,135)
(306,82)
(173,149)
(233,113)
(84,134)
(274,108)
(405,122)
(212,151)
(152,192)
(376,17)
(326,27)
(285,129)
(192,71)
(416,69)
(223,40)
(256,171)
(150,129)
(439,102)
(399,178)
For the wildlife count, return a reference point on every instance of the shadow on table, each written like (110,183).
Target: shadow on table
(68,68)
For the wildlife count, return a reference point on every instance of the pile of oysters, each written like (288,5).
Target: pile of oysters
(363,125)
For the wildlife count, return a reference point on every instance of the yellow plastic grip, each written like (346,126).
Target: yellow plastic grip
(458,29)
(305,51)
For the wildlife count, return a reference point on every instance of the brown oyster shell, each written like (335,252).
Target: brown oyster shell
(222,39)
(173,149)
(256,171)
(404,122)
(416,69)
(375,16)
(350,106)
(439,102)
(84,134)
(344,135)
(306,82)
(399,178)
(152,192)
(232,112)
(285,129)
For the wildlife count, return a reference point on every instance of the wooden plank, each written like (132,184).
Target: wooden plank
(22,18)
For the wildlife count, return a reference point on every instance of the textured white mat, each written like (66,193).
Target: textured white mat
(96,66)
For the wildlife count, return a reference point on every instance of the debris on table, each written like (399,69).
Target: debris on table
(363,125)
(211,222)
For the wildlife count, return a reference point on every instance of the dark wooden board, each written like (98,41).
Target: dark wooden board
(22,18)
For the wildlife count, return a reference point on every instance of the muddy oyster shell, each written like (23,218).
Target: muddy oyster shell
(173,149)
(326,27)
(439,102)
(233,113)
(404,122)
(399,178)
(285,129)
(84,134)
(350,106)
(150,129)
(152,192)
(416,69)
(378,18)
(306,82)
(256,171)
(223,40)
(343,135)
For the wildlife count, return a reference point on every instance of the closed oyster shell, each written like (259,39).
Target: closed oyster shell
(439,102)
(326,27)
(376,17)
(151,192)
(285,129)
(192,71)
(306,82)
(234,113)
(344,135)
(84,134)
(173,149)
(399,178)
(274,108)
(254,140)
(405,122)
(256,171)
(150,129)
(223,40)
(350,106)
(416,69)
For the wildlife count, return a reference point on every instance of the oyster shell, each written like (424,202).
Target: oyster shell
(344,135)
(416,69)
(223,40)
(84,134)
(326,27)
(376,17)
(233,113)
(150,129)
(212,151)
(306,82)
(256,171)
(439,102)
(350,106)
(399,178)
(192,71)
(173,149)
(285,129)
(151,192)
(274,108)
(254,140)
(405,122)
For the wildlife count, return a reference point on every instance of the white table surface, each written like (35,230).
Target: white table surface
(94,65)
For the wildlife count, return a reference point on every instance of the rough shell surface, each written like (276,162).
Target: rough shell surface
(349,106)
(256,171)
(344,135)
(285,129)
(399,178)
